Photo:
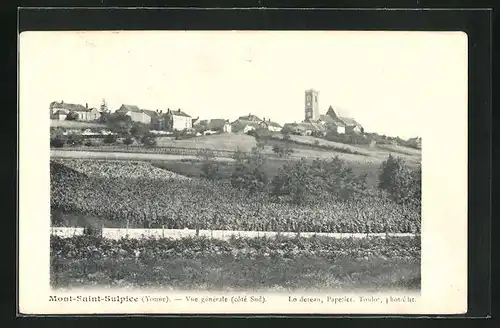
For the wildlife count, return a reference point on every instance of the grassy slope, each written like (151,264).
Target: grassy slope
(307,147)
(224,141)
(361,164)
(75,124)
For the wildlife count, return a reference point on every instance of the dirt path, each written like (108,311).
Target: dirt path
(112,155)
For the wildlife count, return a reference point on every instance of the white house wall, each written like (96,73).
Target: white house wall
(139,117)
(181,122)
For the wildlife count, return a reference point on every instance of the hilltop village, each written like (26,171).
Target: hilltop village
(177,122)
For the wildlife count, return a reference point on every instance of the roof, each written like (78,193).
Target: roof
(349,121)
(179,113)
(135,109)
(306,126)
(151,113)
(61,112)
(313,126)
(131,108)
(68,106)
(217,123)
(330,112)
(271,123)
(243,123)
(330,120)
(250,117)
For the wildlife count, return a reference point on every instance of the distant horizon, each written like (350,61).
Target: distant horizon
(389,82)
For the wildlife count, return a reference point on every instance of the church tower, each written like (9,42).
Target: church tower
(311,105)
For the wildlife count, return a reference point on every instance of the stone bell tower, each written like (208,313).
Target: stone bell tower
(311,110)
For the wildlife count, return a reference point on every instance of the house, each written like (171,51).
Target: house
(351,126)
(60,115)
(312,127)
(219,125)
(252,122)
(63,107)
(79,112)
(87,114)
(158,120)
(245,126)
(271,126)
(250,117)
(305,128)
(179,120)
(135,113)
(332,121)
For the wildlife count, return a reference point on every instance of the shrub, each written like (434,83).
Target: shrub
(148,140)
(282,151)
(88,143)
(128,141)
(210,170)
(72,116)
(110,139)
(75,140)
(402,183)
(302,180)
(57,142)
(248,171)
(294,179)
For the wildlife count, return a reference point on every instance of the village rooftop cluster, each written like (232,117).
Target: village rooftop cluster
(169,120)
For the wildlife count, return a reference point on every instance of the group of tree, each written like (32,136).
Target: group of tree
(401,182)
(301,180)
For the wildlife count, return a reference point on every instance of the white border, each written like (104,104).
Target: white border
(444,207)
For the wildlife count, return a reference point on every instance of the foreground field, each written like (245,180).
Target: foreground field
(125,192)
(274,264)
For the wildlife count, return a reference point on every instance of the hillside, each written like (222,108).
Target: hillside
(226,141)
(75,124)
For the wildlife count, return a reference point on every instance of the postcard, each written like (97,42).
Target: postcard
(242,172)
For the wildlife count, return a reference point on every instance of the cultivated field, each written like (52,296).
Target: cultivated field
(271,264)
(125,192)
(216,237)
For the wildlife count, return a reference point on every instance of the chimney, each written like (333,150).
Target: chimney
(62,102)
(179,110)
(87,105)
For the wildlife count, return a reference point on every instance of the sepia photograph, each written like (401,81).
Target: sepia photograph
(235,161)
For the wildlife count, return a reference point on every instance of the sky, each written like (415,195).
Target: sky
(390,82)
